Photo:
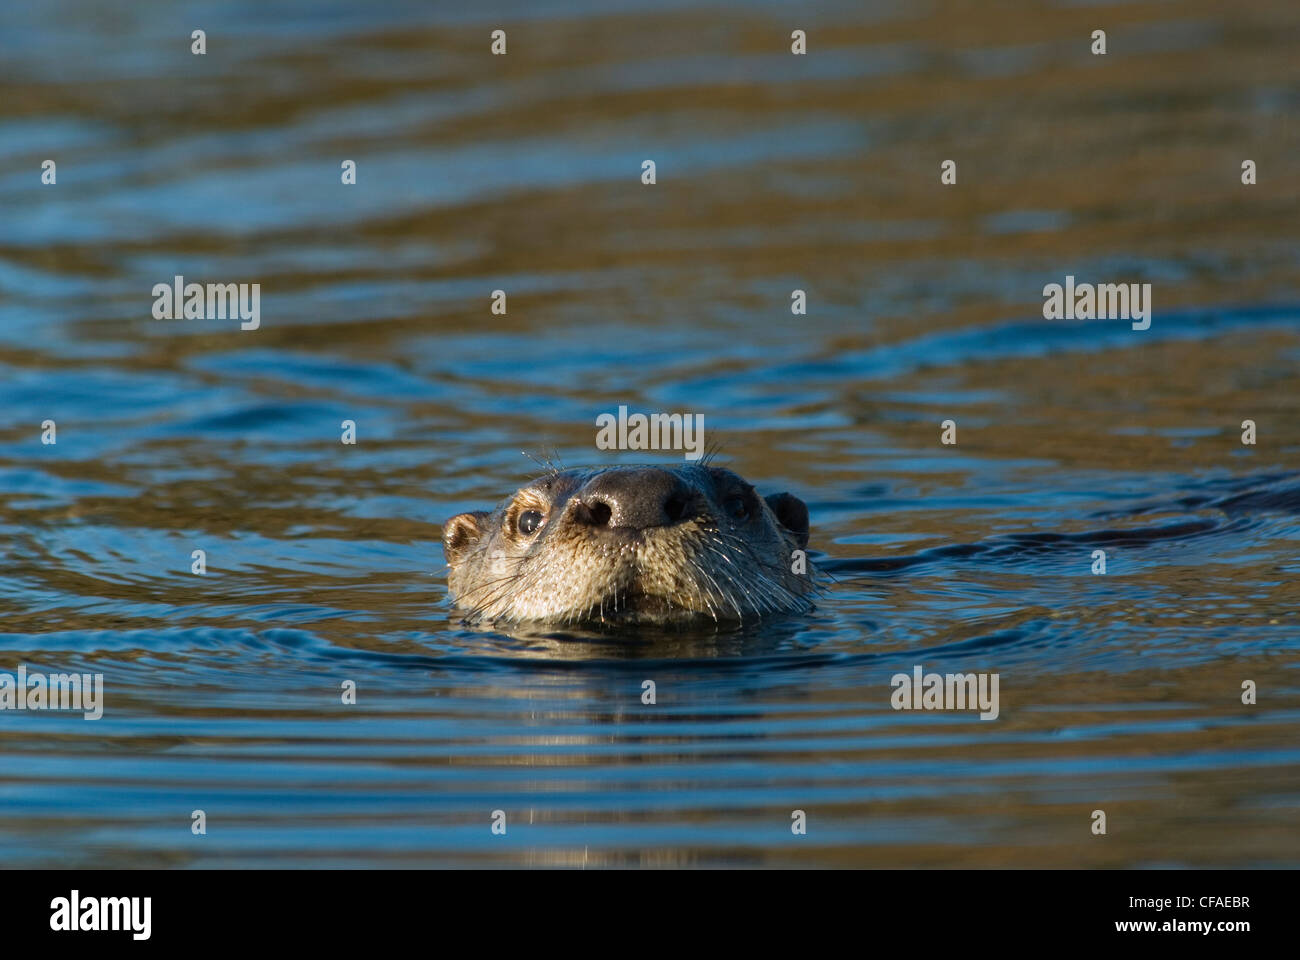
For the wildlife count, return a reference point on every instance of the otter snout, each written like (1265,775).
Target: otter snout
(633,500)
(635,544)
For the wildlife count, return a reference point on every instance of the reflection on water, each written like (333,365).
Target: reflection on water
(775,173)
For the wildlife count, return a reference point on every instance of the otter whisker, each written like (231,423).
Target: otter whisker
(722,594)
(629,544)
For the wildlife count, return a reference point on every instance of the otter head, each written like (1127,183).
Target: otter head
(629,545)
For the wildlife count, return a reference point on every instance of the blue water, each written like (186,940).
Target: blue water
(1119,691)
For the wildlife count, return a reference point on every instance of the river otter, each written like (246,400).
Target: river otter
(631,545)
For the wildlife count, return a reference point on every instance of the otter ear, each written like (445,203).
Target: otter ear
(793,514)
(460,533)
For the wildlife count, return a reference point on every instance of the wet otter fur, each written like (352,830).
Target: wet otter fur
(622,545)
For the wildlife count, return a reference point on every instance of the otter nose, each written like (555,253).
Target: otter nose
(636,498)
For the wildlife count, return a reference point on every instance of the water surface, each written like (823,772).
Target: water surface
(1120,692)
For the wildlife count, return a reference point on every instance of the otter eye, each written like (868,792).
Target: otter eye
(737,507)
(529,521)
